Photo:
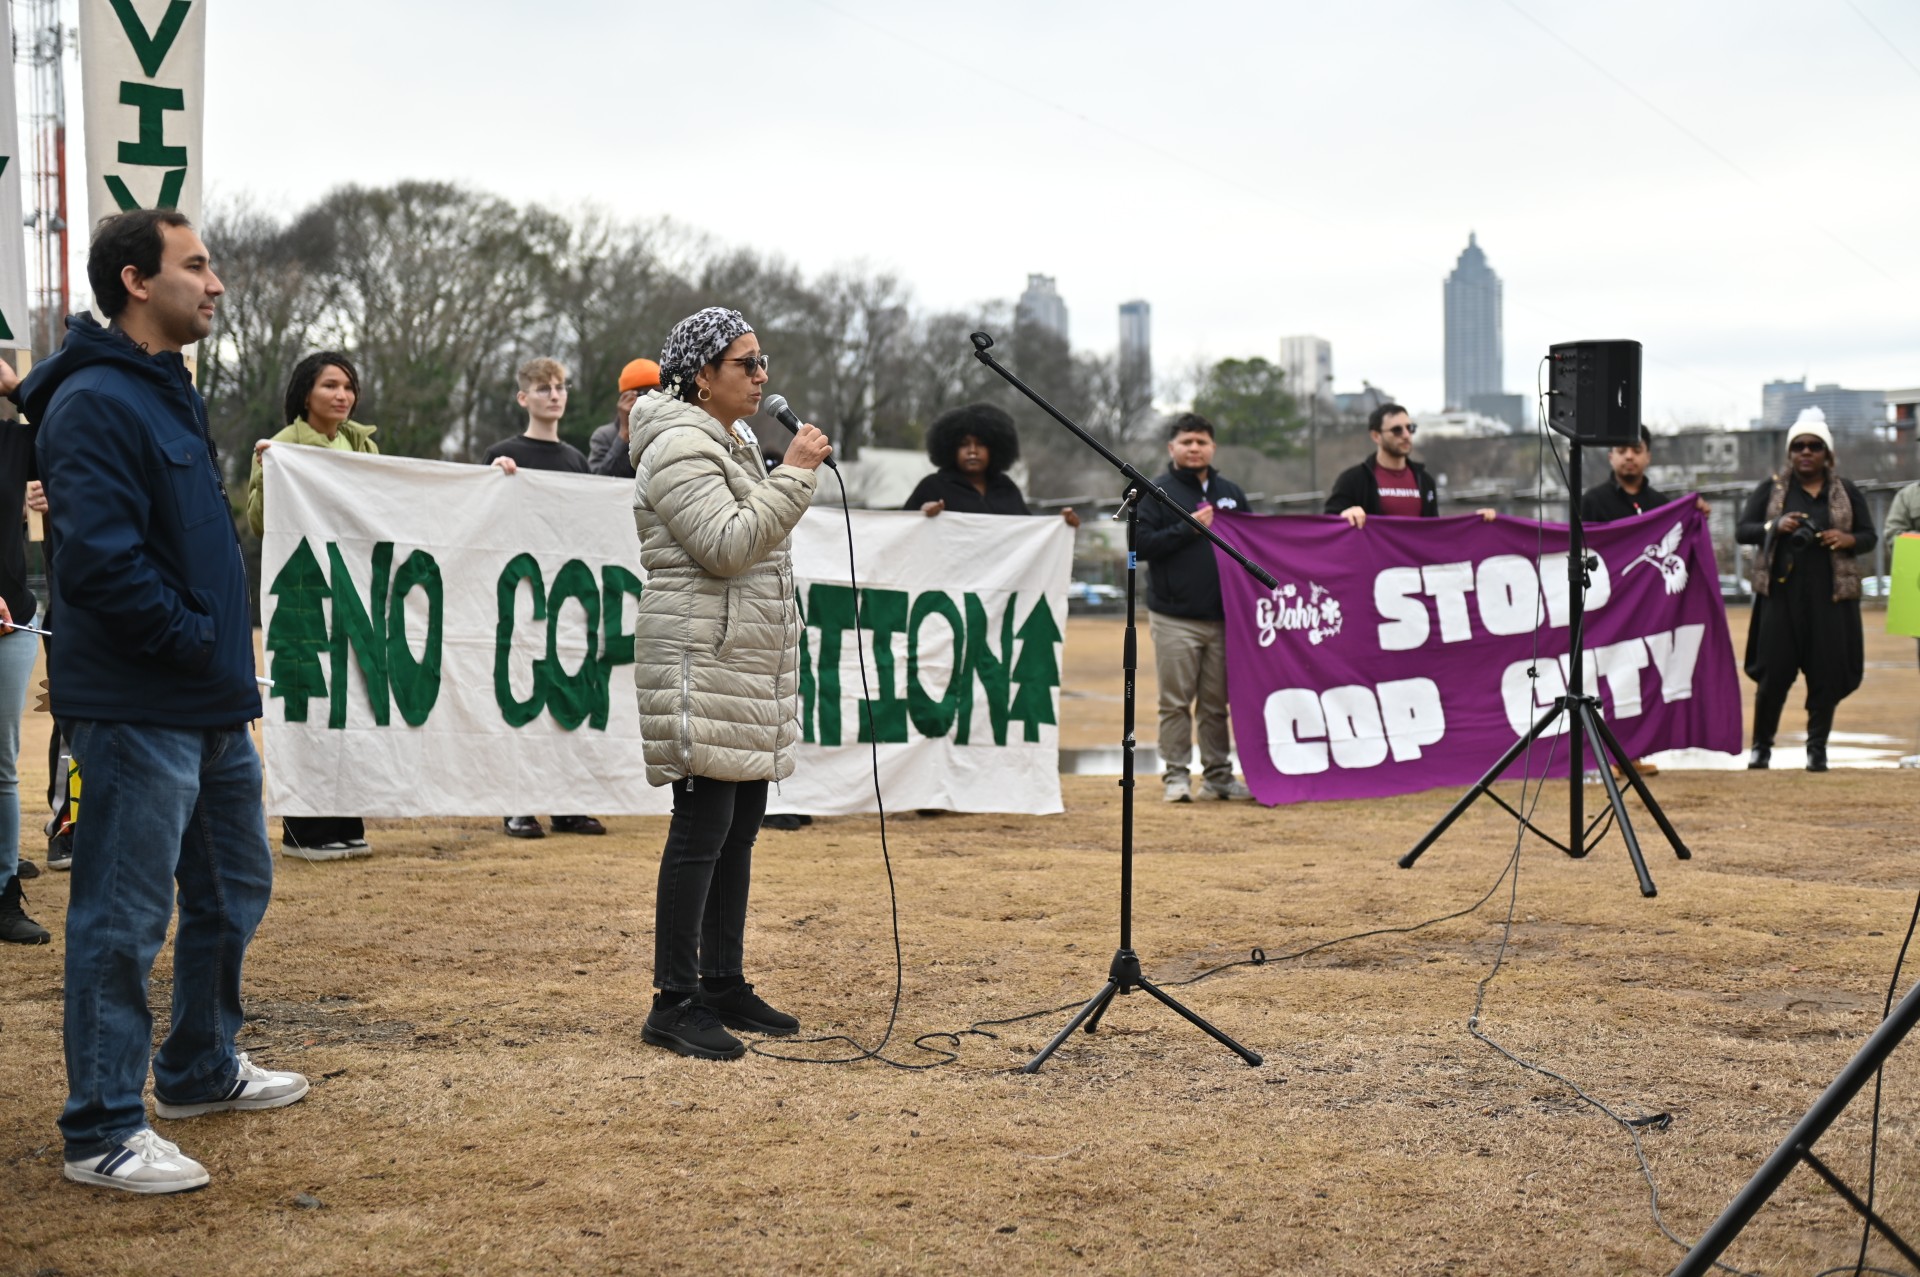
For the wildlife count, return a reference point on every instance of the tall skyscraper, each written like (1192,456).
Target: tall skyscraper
(1136,345)
(1473,328)
(1041,305)
(1308,363)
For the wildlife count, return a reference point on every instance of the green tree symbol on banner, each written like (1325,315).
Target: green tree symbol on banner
(297,637)
(1037,670)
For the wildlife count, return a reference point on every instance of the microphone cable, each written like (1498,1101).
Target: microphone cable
(1873,1144)
(875,1052)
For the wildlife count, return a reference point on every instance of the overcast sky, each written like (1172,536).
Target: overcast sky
(1732,182)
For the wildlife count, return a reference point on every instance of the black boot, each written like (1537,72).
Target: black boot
(15,926)
(1761,758)
(1816,755)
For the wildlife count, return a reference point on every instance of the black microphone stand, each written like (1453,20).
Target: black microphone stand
(1123,974)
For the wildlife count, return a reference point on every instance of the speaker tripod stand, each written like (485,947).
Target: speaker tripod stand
(1583,722)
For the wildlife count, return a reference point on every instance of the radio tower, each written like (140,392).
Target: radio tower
(42,43)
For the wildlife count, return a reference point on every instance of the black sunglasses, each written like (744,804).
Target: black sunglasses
(1806,445)
(1406,430)
(752,363)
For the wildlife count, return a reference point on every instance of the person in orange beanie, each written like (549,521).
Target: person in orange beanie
(607,452)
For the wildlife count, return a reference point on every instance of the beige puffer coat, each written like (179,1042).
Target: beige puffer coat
(717,637)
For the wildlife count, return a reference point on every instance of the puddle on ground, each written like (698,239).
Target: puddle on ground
(1844,749)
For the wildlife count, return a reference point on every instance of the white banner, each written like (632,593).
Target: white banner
(143,72)
(16,320)
(450,640)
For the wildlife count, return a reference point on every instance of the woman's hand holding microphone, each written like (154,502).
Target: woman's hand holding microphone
(808,449)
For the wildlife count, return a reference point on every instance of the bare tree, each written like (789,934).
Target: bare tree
(264,324)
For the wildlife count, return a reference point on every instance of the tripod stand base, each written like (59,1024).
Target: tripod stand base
(1124,976)
(1583,713)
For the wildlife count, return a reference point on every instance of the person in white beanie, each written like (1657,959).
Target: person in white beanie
(1810,525)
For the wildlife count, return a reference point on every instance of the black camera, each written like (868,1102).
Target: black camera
(1805,535)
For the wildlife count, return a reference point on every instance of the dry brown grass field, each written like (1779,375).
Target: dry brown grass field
(469,1009)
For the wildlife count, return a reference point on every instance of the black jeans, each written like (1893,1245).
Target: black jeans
(700,908)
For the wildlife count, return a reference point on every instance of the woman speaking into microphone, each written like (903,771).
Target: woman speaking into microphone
(717,663)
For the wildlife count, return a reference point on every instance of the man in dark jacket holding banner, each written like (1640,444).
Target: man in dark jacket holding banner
(154,670)
(1390,481)
(1185,616)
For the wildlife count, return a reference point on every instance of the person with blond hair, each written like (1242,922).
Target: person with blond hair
(543,395)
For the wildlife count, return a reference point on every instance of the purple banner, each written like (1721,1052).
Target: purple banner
(1395,657)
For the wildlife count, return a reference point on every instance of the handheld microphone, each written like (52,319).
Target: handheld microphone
(776,406)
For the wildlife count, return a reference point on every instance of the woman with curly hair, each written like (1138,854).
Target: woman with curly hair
(973,446)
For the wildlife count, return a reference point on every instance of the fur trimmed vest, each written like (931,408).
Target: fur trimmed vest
(1846,569)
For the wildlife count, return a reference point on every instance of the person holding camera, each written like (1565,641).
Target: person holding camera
(1810,525)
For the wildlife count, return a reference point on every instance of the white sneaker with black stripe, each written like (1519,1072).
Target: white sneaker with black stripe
(253,1088)
(143,1163)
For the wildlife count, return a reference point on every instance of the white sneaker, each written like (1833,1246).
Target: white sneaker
(1179,790)
(144,1163)
(1232,791)
(253,1088)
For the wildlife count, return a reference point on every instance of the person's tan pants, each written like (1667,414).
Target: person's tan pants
(1190,661)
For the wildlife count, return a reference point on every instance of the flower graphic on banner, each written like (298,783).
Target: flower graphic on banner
(1665,555)
(1317,614)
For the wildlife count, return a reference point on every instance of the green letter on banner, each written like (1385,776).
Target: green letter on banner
(153,103)
(808,689)
(571,697)
(416,684)
(1037,672)
(522,567)
(297,635)
(884,718)
(991,670)
(616,644)
(152,49)
(362,626)
(830,608)
(934,718)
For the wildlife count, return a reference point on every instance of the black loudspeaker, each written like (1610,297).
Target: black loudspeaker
(1594,391)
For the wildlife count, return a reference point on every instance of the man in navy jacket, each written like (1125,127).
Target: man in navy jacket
(1186,617)
(154,670)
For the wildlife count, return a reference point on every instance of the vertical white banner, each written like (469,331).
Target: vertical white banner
(16,321)
(143,72)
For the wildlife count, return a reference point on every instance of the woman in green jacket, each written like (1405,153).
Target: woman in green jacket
(320,400)
(321,397)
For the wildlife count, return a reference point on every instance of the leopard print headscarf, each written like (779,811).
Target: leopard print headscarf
(697,341)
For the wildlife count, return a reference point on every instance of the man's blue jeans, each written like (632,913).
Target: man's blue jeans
(161,805)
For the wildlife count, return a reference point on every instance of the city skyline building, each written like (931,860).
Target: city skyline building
(1042,305)
(1136,344)
(1848,412)
(1472,300)
(1308,363)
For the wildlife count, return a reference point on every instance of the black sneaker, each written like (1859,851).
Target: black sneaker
(15,926)
(687,1027)
(524,827)
(27,869)
(741,1008)
(60,851)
